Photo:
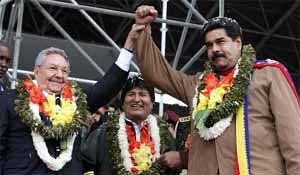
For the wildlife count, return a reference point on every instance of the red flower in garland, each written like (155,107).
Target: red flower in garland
(35,94)
(134,144)
(211,81)
(67,92)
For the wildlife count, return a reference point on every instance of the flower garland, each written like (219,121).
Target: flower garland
(123,161)
(216,103)
(66,120)
(55,164)
(30,102)
(142,153)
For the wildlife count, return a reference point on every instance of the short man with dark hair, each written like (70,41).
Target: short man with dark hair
(132,142)
(245,113)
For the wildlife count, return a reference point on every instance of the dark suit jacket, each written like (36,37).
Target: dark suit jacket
(3,87)
(17,153)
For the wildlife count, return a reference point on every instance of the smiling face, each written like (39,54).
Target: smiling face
(52,74)
(5,58)
(222,50)
(137,104)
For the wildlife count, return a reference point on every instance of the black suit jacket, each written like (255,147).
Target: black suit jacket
(3,87)
(17,153)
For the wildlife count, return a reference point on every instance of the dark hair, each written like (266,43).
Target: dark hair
(231,26)
(134,82)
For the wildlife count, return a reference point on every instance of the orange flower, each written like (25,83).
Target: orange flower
(35,94)
(134,144)
(67,92)
(210,81)
(28,84)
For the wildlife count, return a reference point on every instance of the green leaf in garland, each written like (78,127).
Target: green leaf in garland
(201,118)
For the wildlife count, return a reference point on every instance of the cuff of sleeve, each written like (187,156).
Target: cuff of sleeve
(124,59)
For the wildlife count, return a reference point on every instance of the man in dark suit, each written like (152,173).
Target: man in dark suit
(5,58)
(26,151)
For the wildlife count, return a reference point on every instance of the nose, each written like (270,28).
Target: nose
(215,48)
(137,98)
(60,73)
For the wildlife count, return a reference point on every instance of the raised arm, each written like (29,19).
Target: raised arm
(112,82)
(154,67)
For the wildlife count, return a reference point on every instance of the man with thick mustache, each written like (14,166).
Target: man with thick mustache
(5,59)
(246,114)
(40,120)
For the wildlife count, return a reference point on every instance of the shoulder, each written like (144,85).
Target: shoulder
(270,69)
(269,65)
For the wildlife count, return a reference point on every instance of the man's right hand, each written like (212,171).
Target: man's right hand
(145,14)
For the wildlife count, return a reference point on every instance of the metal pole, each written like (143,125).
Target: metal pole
(182,37)
(67,36)
(18,40)
(2,13)
(194,11)
(116,13)
(97,27)
(101,31)
(163,30)
(221,7)
(277,25)
(248,19)
(212,10)
(274,35)
(4,2)
(193,59)
(11,24)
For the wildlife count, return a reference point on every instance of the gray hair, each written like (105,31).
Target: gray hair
(51,50)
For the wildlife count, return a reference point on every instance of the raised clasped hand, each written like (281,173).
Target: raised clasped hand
(145,14)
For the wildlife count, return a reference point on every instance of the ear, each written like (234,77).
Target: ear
(238,40)
(36,71)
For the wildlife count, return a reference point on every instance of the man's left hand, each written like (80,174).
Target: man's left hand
(171,159)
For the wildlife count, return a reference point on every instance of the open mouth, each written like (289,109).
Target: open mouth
(136,107)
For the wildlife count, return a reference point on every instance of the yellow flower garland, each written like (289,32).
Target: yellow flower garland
(60,115)
(143,157)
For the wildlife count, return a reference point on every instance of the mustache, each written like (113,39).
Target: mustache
(217,55)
